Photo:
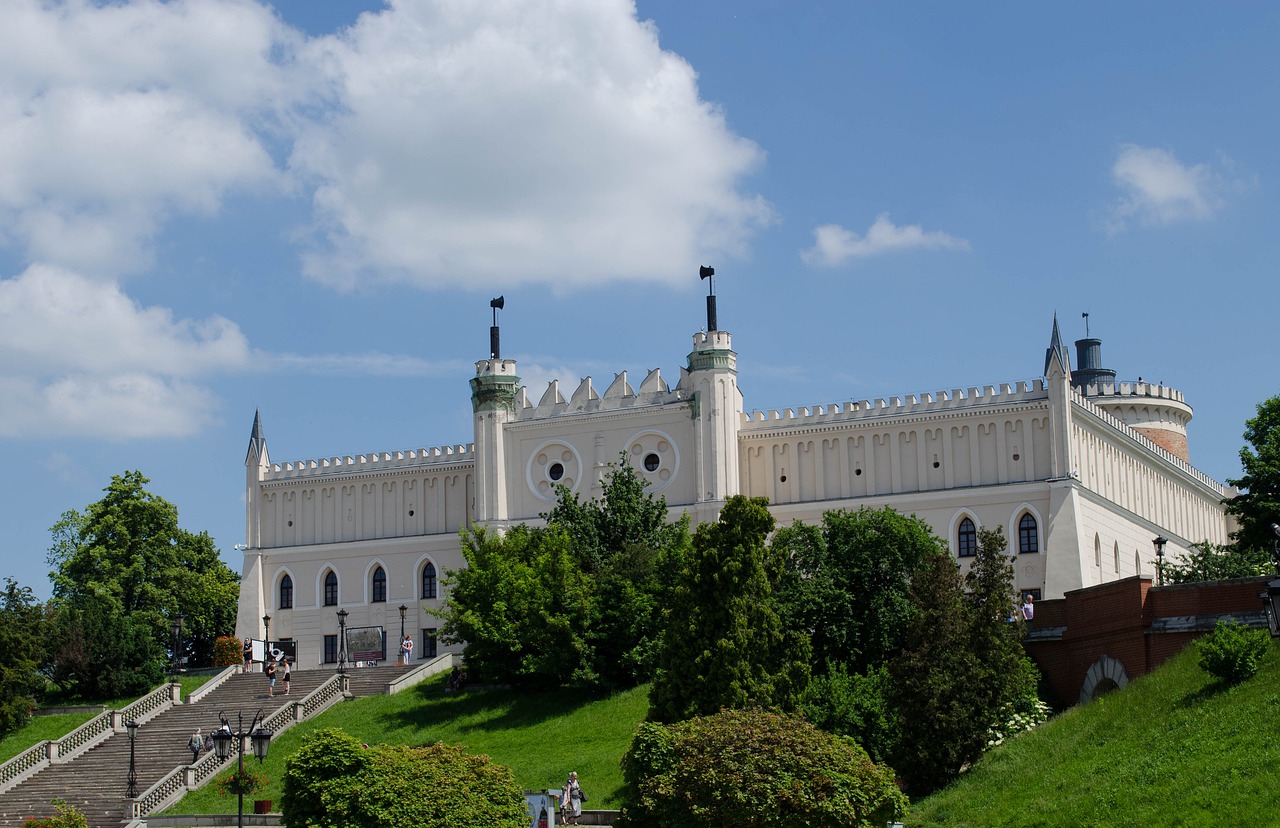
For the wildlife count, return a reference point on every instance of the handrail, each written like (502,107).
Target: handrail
(212,684)
(422,671)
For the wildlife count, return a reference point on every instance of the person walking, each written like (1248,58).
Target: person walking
(196,744)
(406,650)
(270,670)
(571,799)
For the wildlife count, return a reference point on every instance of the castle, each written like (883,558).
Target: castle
(1081,471)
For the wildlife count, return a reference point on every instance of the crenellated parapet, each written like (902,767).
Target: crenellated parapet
(938,401)
(373,462)
(586,399)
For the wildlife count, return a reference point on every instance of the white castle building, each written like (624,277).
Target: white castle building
(1081,471)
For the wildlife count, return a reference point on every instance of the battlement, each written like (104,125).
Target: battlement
(1134,389)
(586,399)
(1023,391)
(377,461)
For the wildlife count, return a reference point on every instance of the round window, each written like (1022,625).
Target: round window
(556,471)
(651,462)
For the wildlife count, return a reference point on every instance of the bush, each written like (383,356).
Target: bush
(332,781)
(65,816)
(854,706)
(1233,651)
(227,651)
(750,767)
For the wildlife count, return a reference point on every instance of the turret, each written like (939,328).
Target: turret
(493,395)
(713,373)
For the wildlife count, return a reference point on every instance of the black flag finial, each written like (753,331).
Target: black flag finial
(495,347)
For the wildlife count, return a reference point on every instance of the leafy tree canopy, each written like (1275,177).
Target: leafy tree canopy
(23,636)
(750,767)
(1212,562)
(1258,506)
(724,644)
(128,551)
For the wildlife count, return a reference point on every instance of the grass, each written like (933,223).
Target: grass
(540,736)
(1174,748)
(49,728)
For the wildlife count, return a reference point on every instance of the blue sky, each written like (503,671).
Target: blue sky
(213,207)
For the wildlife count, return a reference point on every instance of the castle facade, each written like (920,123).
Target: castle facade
(1081,471)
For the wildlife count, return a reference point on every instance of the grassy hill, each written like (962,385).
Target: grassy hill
(540,736)
(1174,748)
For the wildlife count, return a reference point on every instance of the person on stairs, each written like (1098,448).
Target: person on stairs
(196,744)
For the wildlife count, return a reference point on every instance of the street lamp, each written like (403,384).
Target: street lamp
(403,610)
(342,641)
(133,726)
(1270,596)
(1158,542)
(259,736)
(175,626)
(266,623)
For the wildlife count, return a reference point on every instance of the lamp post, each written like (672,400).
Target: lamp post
(266,634)
(175,626)
(132,726)
(403,610)
(260,737)
(342,642)
(1158,542)
(1270,596)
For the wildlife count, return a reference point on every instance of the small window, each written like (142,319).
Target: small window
(379,586)
(330,649)
(1097,551)
(651,462)
(331,589)
(429,646)
(1116,556)
(556,471)
(1028,535)
(286,592)
(967,539)
(429,580)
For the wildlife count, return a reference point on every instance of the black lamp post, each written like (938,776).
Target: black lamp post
(133,767)
(266,634)
(175,626)
(1158,542)
(342,641)
(259,736)
(403,656)
(1270,596)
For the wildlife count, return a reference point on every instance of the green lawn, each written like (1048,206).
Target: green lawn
(540,736)
(1174,748)
(42,728)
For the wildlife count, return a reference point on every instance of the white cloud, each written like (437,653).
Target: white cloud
(487,144)
(834,245)
(80,357)
(1156,188)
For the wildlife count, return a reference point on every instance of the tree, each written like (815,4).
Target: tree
(724,644)
(1258,505)
(332,781)
(849,583)
(1213,562)
(101,654)
(750,767)
(22,649)
(128,550)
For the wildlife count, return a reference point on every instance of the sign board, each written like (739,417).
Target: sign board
(283,649)
(365,644)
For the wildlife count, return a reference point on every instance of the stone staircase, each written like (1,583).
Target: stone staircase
(96,781)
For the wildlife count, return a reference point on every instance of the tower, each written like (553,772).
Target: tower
(493,394)
(253,595)
(717,412)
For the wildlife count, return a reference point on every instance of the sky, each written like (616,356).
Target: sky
(210,208)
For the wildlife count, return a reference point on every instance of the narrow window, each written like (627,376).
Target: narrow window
(330,649)
(429,580)
(1028,535)
(379,585)
(429,643)
(967,541)
(286,592)
(331,589)
(1116,556)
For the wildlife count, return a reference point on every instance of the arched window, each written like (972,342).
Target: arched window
(331,589)
(1116,556)
(286,592)
(967,539)
(1028,535)
(379,585)
(429,580)
(1097,551)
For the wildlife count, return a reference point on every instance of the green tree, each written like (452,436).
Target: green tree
(128,550)
(849,583)
(724,644)
(23,633)
(750,767)
(100,653)
(332,781)
(1258,505)
(1213,562)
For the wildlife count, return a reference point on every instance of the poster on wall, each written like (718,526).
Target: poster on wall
(365,644)
(283,649)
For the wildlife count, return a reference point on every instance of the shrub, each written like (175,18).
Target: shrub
(1233,651)
(332,781)
(227,651)
(854,706)
(65,816)
(750,767)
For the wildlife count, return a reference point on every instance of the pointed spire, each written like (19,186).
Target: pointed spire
(1057,351)
(257,440)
